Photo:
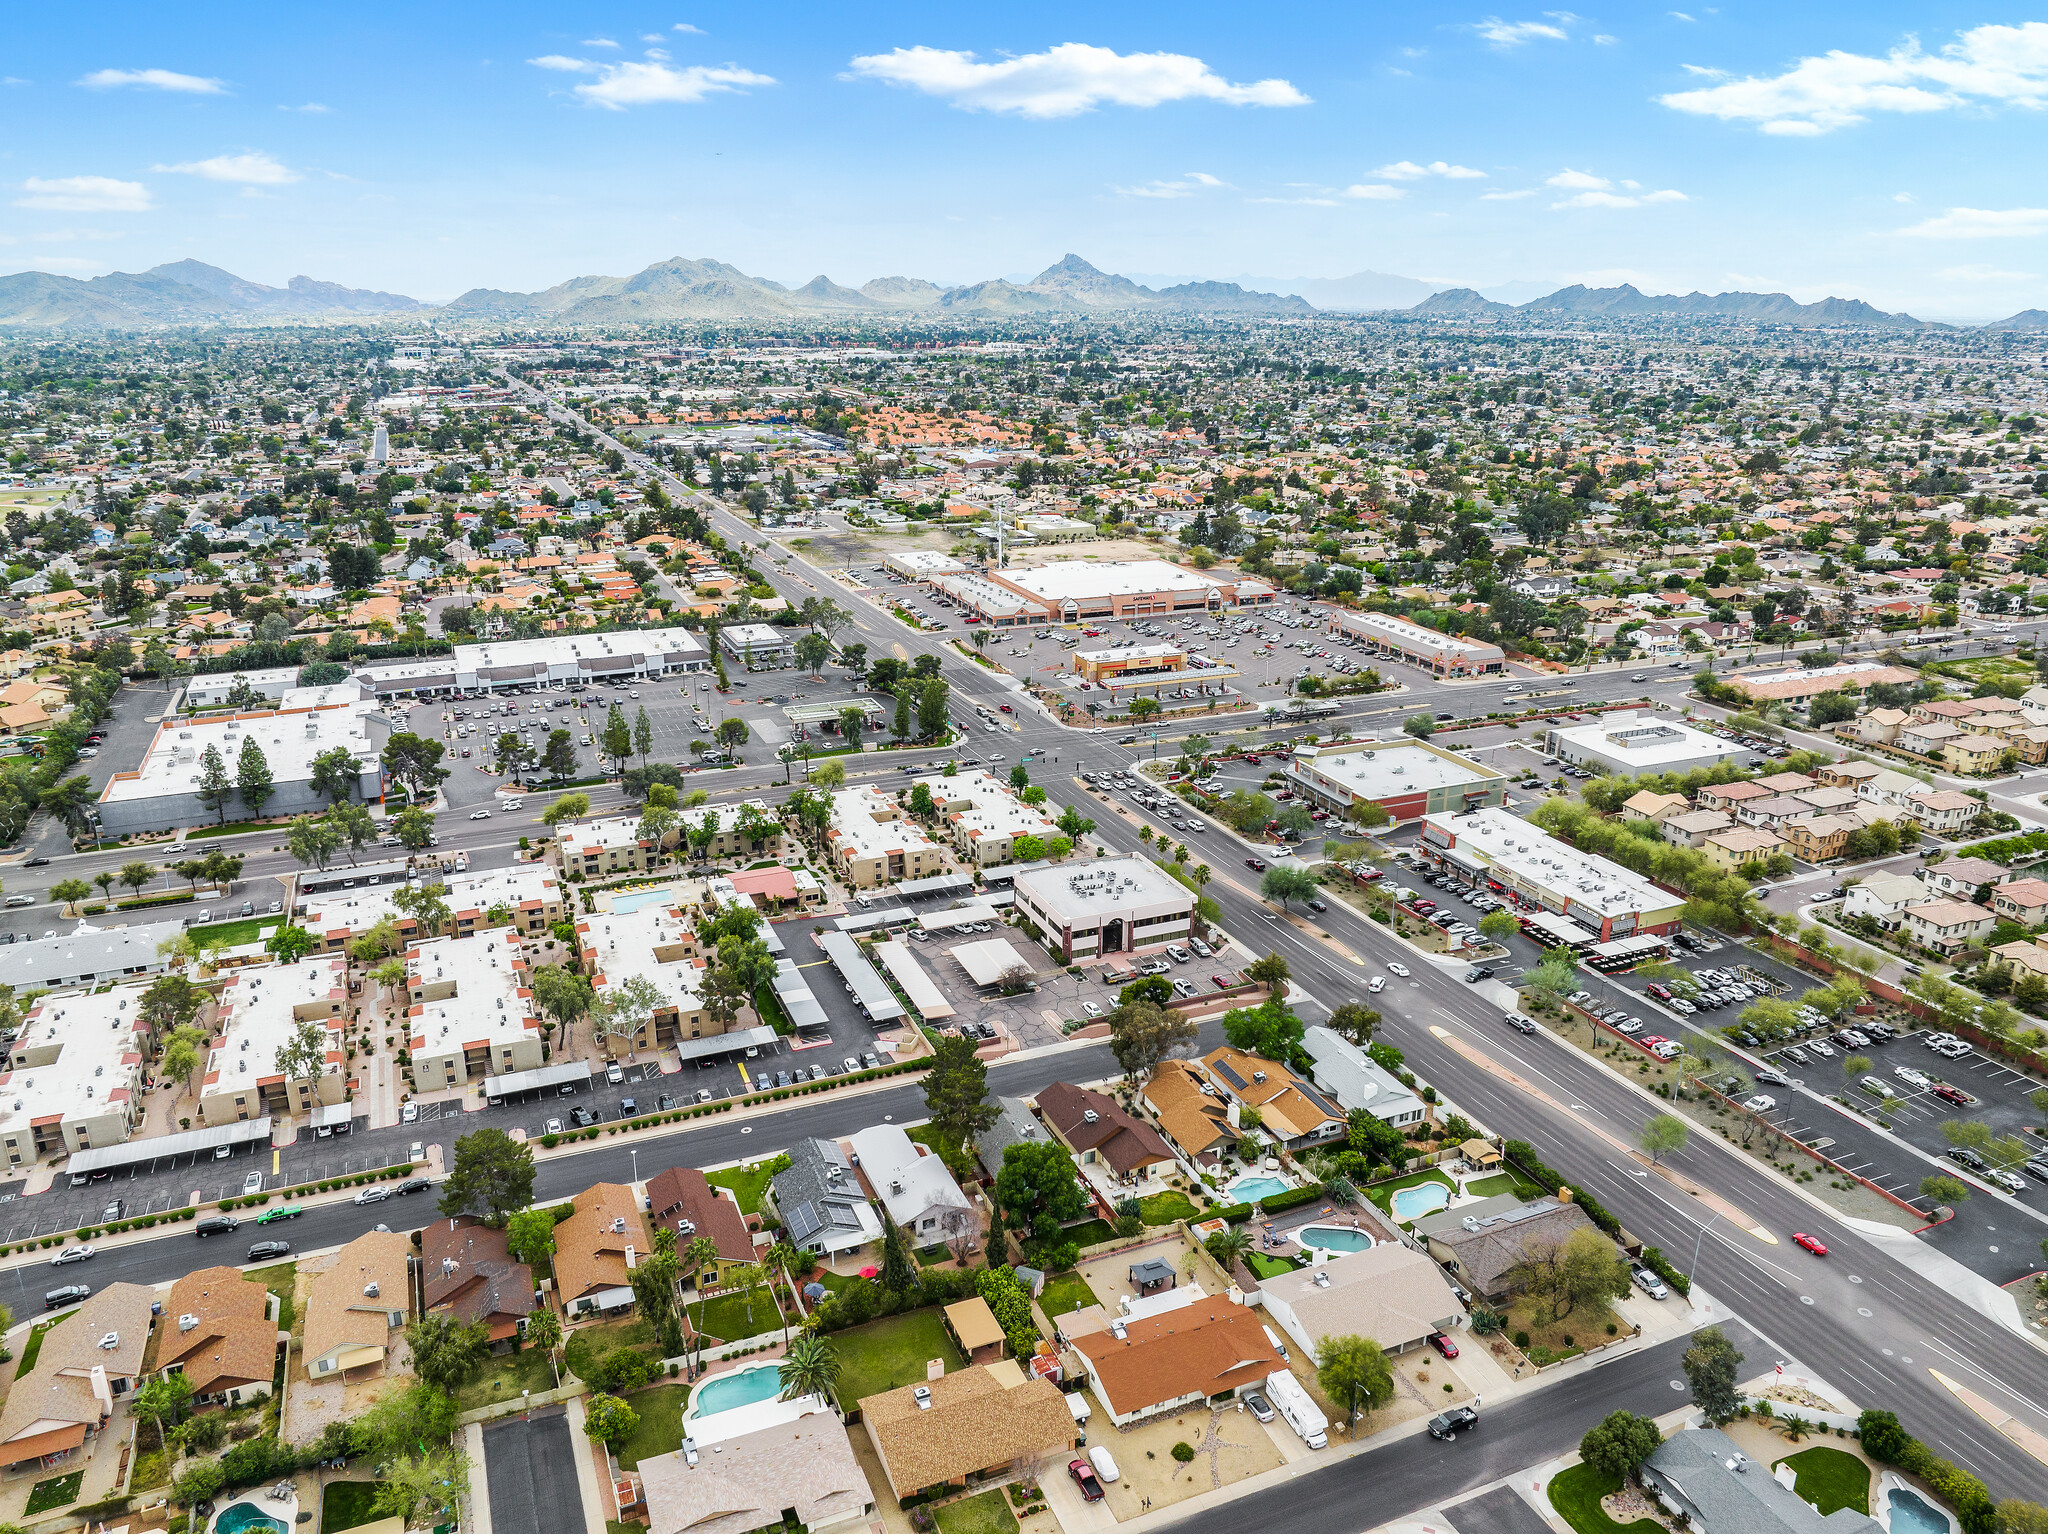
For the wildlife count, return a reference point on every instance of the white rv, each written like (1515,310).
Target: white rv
(1302,1414)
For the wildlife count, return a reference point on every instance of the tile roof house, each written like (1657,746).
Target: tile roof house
(1391,1293)
(1942,809)
(821,1203)
(1292,1110)
(1965,878)
(596,1249)
(357,1304)
(1096,1129)
(915,1188)
(806,1466)
(682,1199)
(966,1423)
(1882,896)
(1194,1119)
(468,1272)
(221,1335)
(1946,925)
(1483,1242)
(68,1397)
(2024,901)
(1718,1490)
(1647,805)
(1695,826)
(1178,1358)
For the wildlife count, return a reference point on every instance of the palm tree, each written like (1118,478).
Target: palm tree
(809,1368)
(779,1259)
(1229,1246)
(695,1258)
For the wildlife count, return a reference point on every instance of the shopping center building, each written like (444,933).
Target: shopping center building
(1498,849)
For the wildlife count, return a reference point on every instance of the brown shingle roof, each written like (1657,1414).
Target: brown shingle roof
(1201,1349)
(339,1314)
(467,1270)
(974,1422)
(590,1255)
(235,1342)
(807,1464)
(1126,1143)
(680,1193)
(1194,1120)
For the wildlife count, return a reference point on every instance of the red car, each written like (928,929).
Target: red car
(1084,1477)
(1373,873)
(1256,865)
(1812,1243)
(1443,1344)
(1652,1040)
(1222,982)
(1949,1094)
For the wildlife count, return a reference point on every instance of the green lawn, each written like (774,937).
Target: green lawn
(278,1280)
(587,1344)
(1267,1267)
(58,1491)
(1089,1233)
(1064,1292)
(348,1505)
(985,1514)
(726,1316)
(233,934)
(1165,1208)
(1830,1479)
(34,1345)
(1499,1183)
(749,1183)
(661,1423)
(885,1354)
(503,1378)
(1576,1494)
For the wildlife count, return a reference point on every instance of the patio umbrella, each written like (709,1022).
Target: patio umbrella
(814,1292)
(870,1272)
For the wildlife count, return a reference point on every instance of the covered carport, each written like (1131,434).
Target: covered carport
(992,963)
(868,988)
(574,1075)
(724,1044)
(134,1154)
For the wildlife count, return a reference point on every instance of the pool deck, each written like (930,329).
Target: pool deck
(285,1513)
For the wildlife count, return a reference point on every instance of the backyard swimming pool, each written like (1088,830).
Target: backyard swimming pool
(1912,1515)
(1411,1203)
(742,1387)
(1333,1238)
(246,1515)
(638,898)
(1249,1189)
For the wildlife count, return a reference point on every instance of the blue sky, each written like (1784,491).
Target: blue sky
(1872,151)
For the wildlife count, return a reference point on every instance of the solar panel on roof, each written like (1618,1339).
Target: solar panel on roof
(804,1222)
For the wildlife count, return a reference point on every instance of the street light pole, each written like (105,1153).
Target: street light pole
(1696,1240)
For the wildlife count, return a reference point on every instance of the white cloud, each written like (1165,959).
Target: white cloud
(1372,192)
(603,42)
(1985,66)
(154,80)
(684,26)
(1982,224)
(1902,197)
(1591,191)
(1191,183)
(653,37)
(1066,80)
(1703,72)
(1981,274)
(1605,39)
(252,167)
(1512,34)
(1678,15)
(619,86)
(659,55)
(1527,191)
(312,107)
(84,194)
(1578,180)
(1408,170)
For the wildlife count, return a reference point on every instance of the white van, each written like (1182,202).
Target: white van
(1105,1467)
(1273,1337)
(1302,1414)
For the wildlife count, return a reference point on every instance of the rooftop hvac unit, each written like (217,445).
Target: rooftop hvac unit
(1469,1223)
(111,1341)
(1118,1331)
(370,1290)
(1090,1116)
(923,1396)
(619,1224)
(187,1321)
(449,1264)
(1258,1075)
(1322,1279)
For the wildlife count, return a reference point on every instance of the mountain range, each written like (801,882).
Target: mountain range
(191,292)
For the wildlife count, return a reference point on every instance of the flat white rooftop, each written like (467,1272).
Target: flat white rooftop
(1647,742)
(620,647)
(1390,769)
(1133,652)
(358,910)
(1547,864)
(871,825)
(1077,579)
(1077,894)
(289,742)
(260,1010)
(650,943)
(599,835)
(1414,637)
(989,808)
(925,562)
(491,1004)
(90,1056)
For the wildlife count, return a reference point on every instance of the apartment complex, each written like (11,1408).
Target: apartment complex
(75,1075)
(873,843)
(471,1010)
(527,898)
(660,946)
(983,818)
(259,1013)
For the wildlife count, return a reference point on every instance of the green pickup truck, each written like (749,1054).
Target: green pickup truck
(286,1212)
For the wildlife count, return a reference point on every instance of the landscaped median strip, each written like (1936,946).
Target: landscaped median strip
(1493,1067)
(2008,1426)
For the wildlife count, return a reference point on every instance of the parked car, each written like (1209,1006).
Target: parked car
(216,1225)
(71,1254)
(70,1294)
(1256,1404)
(269,1251)
(1084,1477)
(374,1194)
(1650,1284)
(1443,1344)
(1449,1424)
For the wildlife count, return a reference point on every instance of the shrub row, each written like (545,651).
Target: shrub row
(87,1232)
(1237,1214)
(1885,1441)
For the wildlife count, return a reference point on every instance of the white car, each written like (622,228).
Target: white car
(1377,984)
(1911,1077)
(1761,1104)
(481,815)
(253,1183)
(551,1127)
(1093,1009)
(1394,968)
(409,1114)
(373,1195)
(71,1254)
